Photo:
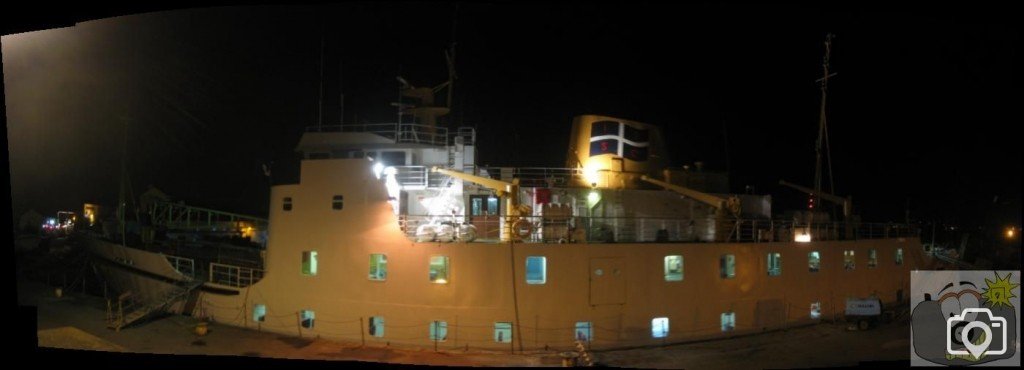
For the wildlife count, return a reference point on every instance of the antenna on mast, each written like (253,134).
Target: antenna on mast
(823,126)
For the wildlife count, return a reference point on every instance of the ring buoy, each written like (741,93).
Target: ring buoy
(522,228)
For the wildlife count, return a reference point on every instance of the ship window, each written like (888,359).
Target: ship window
(378,267)
(816,310)
(872,258)
(728,321)
(306,318)
(728,266)
(492,206)
(899,256)
(584,333)
(503,332)
(287,203)
(439,269)
(673,268)
(337,202)
(376,328)
(392,158)
(309,263)
(659,327)
(259,313)
(438,331)
(774,264)
(536,270)
(813,261)
(848,261)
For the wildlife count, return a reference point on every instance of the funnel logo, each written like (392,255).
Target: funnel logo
(972,321)
(617,138)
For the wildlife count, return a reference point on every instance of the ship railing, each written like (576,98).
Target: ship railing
(542,229)
(234,276)
(534,176)
(186,266)
(400,133)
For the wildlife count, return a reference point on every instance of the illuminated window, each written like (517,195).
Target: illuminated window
(659,327)
(584,332)
(899,256)
(438,331)
(503,332)
(774,264)
(816,310)
(536,270)
(287,203)
(872,258)
(309,263)
(848,261)
(673,268)
(728,266)
(338,202)
(728,321)
(813,261)
(376,328)
(306,318)
(378,267)
(439,269)
(259,313)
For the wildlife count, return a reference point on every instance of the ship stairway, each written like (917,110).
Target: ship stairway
(129,309)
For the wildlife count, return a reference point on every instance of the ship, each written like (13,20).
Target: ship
(395,235)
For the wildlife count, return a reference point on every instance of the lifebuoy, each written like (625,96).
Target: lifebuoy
(522,228)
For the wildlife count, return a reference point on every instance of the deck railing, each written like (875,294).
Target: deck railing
(186,266)
(658,229)
(234,276)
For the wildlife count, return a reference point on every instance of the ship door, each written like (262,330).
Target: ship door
(483,213)
(607,281)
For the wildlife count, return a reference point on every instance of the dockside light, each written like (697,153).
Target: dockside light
(802,237)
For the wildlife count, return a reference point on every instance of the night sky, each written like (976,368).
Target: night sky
(924,110)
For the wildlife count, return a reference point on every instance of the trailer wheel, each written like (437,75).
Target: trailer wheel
(863,325)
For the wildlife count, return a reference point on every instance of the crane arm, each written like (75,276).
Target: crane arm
(845,202)
(731,204)
(501,187)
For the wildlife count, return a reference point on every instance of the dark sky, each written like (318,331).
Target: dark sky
(924,106)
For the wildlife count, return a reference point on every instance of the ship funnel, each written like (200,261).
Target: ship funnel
(614,153)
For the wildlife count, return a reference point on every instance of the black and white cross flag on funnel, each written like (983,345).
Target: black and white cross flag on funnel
(610,137)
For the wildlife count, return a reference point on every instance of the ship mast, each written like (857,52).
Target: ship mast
(823,129)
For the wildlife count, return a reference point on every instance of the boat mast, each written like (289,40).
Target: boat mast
(823,128)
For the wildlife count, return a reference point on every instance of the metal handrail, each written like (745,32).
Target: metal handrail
(234,276)
(665,229)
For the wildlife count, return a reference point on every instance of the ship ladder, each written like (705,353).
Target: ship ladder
(139,310)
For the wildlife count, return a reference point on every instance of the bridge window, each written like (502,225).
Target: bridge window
(872,258)
(287,203)
(309,263)
(728,266)
(503,332)
(728,321)
(259,313)
(816,310)
(584,333)
(848,262)
(378,267)
(536,270)
(899,256)
(439,269)
(673,268)
(376,328)
(391,158)
(774,264)
(438,331)
(659,327)
(337,202)
(306,318)
(813,261)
